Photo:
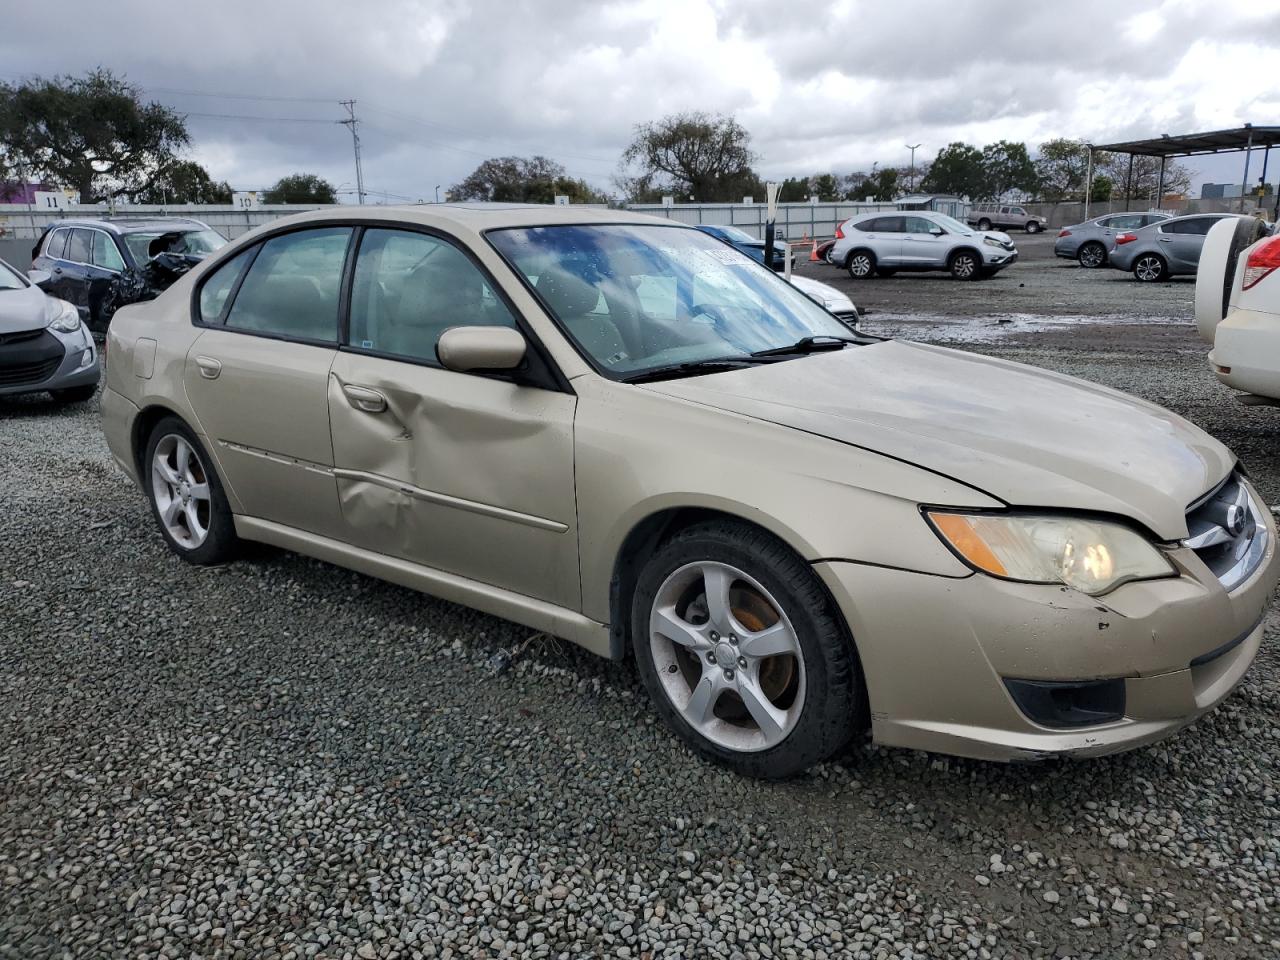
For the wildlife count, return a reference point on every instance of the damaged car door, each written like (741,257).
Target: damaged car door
(468,473)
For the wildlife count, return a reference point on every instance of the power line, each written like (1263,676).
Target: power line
(246,116)
(236,96)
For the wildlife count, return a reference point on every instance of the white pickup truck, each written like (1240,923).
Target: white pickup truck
(1238,307)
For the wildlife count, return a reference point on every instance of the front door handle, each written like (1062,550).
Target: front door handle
(209,367)
(57,270)
(362,398)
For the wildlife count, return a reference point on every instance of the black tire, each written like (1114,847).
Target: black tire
(1247,233)
(965,265)
(1150,268)
(221,543)
(861,264)
(834,705)
(74,394)
(1092,255)
(1033,226)
(984,224)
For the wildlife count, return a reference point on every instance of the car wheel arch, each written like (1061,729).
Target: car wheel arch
(856,250)
(965,249)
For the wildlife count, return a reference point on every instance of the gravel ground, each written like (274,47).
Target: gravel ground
(278,758)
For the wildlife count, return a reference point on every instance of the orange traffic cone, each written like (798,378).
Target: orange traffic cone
(813,254)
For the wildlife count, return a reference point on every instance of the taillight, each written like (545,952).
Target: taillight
(1125,238)
(1263,258)
(1064,232)
(839,231)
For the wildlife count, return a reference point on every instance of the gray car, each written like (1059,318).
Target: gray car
(1166,249)
(1088,242)
(43,343)
(881,244)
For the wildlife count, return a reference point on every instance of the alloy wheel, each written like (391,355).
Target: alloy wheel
(1091,256)
(964,266)
(1148,268)
(180,486)
(860,265)
(727,656)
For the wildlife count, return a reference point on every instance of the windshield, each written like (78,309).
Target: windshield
(10,279)
(637,297)
(952,224)
(736,235)
(198,242)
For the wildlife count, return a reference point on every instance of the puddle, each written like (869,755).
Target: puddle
(989,329)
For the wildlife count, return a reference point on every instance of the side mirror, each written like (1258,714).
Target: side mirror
(937,231)
(39,277)
(481,348)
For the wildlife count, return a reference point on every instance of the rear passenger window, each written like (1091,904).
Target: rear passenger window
(409,288)
(293,288)
(216,289)
(80,249)
(57,245)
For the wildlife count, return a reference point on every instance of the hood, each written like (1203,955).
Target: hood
(23,309)
(1026,436)
(825,294)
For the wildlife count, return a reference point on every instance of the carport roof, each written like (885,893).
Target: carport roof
(1190,144)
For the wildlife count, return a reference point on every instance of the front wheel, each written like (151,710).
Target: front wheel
(861,265)
(966,266)
(186,496)
(1092,255)
(742,651)
(1033,226)
(984,224)
(1149,268)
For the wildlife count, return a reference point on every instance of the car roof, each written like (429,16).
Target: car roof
(123,225)
(479,216)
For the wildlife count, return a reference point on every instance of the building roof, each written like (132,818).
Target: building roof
(1191,144)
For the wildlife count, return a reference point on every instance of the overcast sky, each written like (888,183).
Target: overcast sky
(822,86)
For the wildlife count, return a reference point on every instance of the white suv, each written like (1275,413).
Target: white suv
(1238,307)
(881,244)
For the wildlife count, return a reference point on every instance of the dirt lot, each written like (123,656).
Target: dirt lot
(278,758)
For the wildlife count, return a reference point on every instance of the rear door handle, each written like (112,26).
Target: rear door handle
(1166,239)
(209,367)
(363,398)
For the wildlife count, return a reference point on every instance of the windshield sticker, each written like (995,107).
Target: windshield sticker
(728,257)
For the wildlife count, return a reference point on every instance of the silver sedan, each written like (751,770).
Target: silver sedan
(43,343)
(1088,242)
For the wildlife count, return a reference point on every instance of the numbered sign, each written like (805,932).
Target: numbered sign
(246,200)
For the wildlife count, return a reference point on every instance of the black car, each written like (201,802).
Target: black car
(88,259)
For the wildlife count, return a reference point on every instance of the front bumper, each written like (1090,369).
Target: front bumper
(936,652)
(79,365)
(999,259)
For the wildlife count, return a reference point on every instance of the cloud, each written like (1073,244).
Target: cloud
(442,84)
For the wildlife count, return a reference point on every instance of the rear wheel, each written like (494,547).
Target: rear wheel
(186,495)
(861,264)
(1092,255)
(984,224)
(742,651)
(1150,268)
(965,265)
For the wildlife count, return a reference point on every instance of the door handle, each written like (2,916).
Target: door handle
(57,270)
(362,398)
(209,367)
(1166,239)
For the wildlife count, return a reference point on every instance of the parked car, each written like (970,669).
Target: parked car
(829,297)
(878,244)
(1238,307)
(1088,242)
(1169,248)
(790,528)
(824,250)
(43,344)
(748,244)
(1008,216)
(88,259)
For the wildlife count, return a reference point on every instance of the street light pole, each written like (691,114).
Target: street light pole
(913,149)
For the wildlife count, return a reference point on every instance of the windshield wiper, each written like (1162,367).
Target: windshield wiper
(807,345)
(689,368)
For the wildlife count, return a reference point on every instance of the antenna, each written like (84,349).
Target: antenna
(352,123)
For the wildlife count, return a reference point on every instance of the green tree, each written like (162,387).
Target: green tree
(706,156)
(1007,168)
(301,188)
(958,169)
(184,182)
(793,190)
(1146,176)
(1062,166)
(523,180)
(825,186)
(92,133)
(1102,188)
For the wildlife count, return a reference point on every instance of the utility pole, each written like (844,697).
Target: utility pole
(352,123)
(913,148)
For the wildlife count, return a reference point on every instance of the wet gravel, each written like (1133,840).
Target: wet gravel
(279,758)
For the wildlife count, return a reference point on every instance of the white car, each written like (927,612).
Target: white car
(881,244)
(827,295)
(1238,307)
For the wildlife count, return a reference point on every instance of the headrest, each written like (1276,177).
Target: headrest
(566,294)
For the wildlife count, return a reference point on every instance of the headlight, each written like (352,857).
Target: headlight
(993,241)
(65,317)
(1092,556)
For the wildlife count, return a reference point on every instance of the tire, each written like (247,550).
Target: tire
(1150,268)
(965,265)
(1033,226)
(984,224)
(827,256)
(813,698)
(1247,233)
(1091,255)
(861,264)
(74,394)
(218,543)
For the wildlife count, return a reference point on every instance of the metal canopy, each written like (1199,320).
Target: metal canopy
(1193,144)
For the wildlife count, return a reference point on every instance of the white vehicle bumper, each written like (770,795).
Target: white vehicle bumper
(1246,352)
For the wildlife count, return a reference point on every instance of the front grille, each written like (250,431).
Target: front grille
(21,336)
(1227,531)
(28,373)
(30,359)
